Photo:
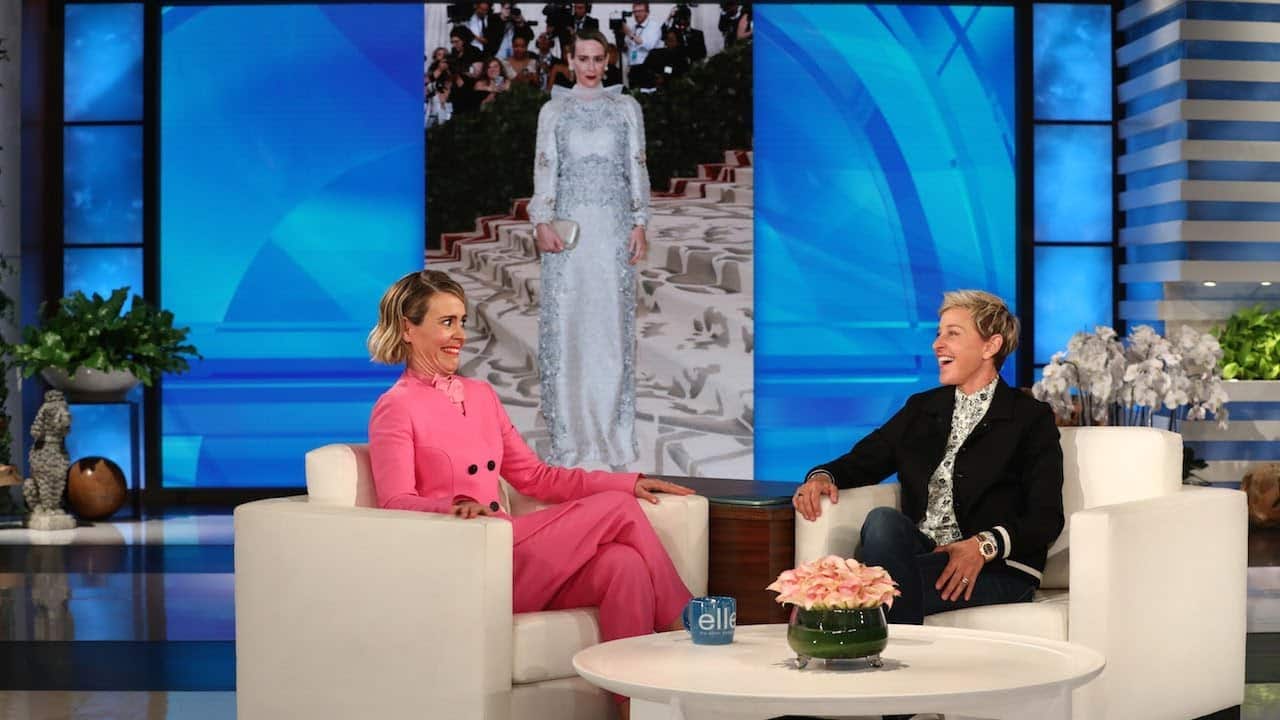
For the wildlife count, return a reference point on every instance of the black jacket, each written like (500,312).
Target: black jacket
(1007,476)
(696,44)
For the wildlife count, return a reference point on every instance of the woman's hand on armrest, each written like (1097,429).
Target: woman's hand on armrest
(467,509)
(646,487)
(808,497)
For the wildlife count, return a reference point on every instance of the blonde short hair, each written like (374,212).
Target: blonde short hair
(990,315)
(407,299)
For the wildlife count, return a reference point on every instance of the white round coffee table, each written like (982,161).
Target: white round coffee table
(926,669)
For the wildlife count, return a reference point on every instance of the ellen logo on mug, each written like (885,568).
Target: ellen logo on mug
(711,620)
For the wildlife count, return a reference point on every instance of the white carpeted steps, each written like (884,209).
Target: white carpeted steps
(695,345)
(728,182)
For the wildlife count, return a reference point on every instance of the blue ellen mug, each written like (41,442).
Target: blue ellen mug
(711,620)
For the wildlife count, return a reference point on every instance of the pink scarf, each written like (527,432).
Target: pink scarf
(451,386)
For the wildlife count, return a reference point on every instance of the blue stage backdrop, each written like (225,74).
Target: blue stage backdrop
(291,196)
(885,175)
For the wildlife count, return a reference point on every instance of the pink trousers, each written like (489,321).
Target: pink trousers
(599,552)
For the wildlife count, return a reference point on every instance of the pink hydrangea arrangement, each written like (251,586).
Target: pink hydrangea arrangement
(835,582)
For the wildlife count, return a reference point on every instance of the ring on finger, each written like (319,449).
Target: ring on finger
(964,580)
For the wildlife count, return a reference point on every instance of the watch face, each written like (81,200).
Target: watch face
(988,549)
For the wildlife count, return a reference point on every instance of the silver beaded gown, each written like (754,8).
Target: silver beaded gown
(590,168)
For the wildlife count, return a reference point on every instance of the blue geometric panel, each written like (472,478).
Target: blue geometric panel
(1214,211)
(1073,293)
(1159,136)
(1232,130)
(292,196)
(1214,251)
(1265,451)
(1255,411)
(1202,90)
(1073,183)
(102,62)
(102,192)
(1177,11)
(1195,10)
(1203,10)
(101,270)
(1072,62)
(894,184)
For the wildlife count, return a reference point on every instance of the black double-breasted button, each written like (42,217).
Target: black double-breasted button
(473,470)
(494,506)
(491,465)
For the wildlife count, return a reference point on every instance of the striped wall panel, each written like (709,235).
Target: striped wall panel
(1200,231)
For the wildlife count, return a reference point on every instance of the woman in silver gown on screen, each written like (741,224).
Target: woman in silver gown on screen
(590,168)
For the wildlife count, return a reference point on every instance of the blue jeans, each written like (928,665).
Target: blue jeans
(892,541)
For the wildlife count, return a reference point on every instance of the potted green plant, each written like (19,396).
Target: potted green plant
(1251,345)
(1250,342)
(88,348)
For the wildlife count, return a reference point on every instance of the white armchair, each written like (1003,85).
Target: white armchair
(344,610)
(1156,580)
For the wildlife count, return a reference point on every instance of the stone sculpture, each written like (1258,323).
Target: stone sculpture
(49,462)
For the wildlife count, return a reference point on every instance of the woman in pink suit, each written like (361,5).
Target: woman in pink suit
(440,442)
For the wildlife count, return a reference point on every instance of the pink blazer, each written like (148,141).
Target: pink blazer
(427,454)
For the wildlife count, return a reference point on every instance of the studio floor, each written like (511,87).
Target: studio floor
(136,619)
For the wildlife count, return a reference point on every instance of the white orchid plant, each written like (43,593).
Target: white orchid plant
(1127,383)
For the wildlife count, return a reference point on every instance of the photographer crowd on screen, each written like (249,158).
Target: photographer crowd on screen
(493,46)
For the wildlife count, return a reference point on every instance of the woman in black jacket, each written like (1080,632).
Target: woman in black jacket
(981,474)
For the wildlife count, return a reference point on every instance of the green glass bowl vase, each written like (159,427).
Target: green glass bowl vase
(838,634)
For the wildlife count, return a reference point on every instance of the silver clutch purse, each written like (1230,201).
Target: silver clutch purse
(568,232)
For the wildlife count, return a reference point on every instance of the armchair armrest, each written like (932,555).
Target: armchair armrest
(837,529)
(360,612)
(1159,587)
(682,526)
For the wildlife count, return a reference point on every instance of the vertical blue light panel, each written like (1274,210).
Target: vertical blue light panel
(1073,183)
(1072,61)
(1073,293)
(885,152)
(102,184)
(101,270)
(292,196)
(102,62)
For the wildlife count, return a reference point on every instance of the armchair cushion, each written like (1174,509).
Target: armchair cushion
(341,474)
(1046,616)
(544,643)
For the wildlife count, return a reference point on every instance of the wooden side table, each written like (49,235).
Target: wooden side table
(752,528)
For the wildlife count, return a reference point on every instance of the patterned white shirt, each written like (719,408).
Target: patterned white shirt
(939,520)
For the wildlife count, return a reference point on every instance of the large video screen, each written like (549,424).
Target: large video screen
(296,142)
(291,192)
(884,155)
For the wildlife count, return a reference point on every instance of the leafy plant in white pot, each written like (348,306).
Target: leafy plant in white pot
(90,350)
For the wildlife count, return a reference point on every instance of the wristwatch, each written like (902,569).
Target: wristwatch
(987,545)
